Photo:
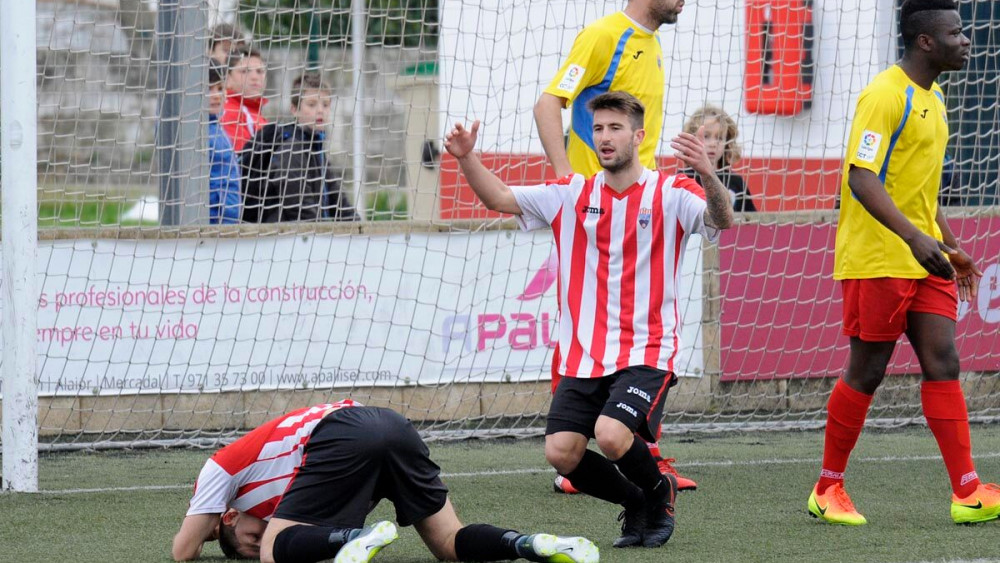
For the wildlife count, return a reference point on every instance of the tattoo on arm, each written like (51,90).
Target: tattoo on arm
(718,213)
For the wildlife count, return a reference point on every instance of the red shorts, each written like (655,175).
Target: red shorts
(875,309)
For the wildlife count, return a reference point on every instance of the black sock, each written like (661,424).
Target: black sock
(307,544)
(598,477)
(482,542)
(640,468)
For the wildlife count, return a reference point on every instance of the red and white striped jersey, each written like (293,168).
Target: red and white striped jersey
(253,472)
(619,255)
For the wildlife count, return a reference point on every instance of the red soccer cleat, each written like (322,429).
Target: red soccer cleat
(667,468)
(562,485)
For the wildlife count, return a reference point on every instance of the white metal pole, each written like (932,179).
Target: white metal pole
(358,122)
(19,181)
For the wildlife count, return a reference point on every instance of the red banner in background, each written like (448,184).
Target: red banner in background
(782,310)
(776,184)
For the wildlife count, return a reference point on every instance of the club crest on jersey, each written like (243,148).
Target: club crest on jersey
(645,215)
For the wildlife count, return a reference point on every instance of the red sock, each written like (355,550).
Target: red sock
(845,417)
(948,418)
(654,449)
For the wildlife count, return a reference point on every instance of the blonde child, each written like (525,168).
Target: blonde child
(720,143)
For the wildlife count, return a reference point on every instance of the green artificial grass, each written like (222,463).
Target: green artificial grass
(750,506)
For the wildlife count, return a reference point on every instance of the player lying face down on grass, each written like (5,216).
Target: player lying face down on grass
(298,489)
(619,235)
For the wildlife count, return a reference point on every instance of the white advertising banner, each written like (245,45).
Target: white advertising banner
(314,311)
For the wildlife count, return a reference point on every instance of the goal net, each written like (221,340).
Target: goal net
(157,326)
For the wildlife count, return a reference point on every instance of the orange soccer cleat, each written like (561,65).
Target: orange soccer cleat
(835,507)
(667,468)
(980,506)
(562,485)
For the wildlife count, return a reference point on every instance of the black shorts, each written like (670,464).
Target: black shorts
(634,396)
(356,457)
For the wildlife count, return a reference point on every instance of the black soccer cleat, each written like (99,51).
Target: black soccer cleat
(633,524)
(660,515)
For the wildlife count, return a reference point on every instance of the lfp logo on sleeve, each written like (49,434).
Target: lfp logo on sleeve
(868,149)
(572,78)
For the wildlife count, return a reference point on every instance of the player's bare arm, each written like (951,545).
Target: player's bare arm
(967,275)
(196,529)
(490,189)
(691,151)
(871,193)
(548,120)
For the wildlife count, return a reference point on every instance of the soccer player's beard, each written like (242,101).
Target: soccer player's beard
(664,16)
(670,17)
(621,160)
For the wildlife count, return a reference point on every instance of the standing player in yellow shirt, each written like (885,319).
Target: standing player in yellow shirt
(899,263)
(618,52)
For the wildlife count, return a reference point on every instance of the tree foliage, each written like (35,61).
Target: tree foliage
(407,23)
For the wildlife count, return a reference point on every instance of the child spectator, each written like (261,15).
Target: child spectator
(245,84)
(285,171)
(720,142)
(226,38)
(224,175)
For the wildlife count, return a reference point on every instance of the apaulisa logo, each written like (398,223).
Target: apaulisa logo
(517,330)
(542,280)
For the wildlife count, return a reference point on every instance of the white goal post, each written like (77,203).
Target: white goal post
(18,127)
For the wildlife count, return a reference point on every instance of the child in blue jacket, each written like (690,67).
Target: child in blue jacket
(224,176)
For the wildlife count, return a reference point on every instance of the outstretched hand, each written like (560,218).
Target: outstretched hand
(691,151)
(460,141)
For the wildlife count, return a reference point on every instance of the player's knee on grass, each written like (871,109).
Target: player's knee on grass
(613,437)
(563,450)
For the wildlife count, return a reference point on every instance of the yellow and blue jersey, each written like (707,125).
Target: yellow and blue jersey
(900,132)
(612,53)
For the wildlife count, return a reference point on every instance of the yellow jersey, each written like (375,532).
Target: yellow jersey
(900,132)
(612,53)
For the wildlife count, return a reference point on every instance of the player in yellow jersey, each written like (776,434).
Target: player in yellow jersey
(899,264)
(617,52)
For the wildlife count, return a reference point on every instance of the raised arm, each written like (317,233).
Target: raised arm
(870,192)
(691,151)
(548,121)
(196,529)
(490,189)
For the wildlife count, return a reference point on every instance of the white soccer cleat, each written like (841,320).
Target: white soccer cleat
(368,543)
(555,549)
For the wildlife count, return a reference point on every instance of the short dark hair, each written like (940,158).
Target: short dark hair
(225,32)
(307,81)
(622,102)
(917,17)
(228,542)
(244,52)
(216,72)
